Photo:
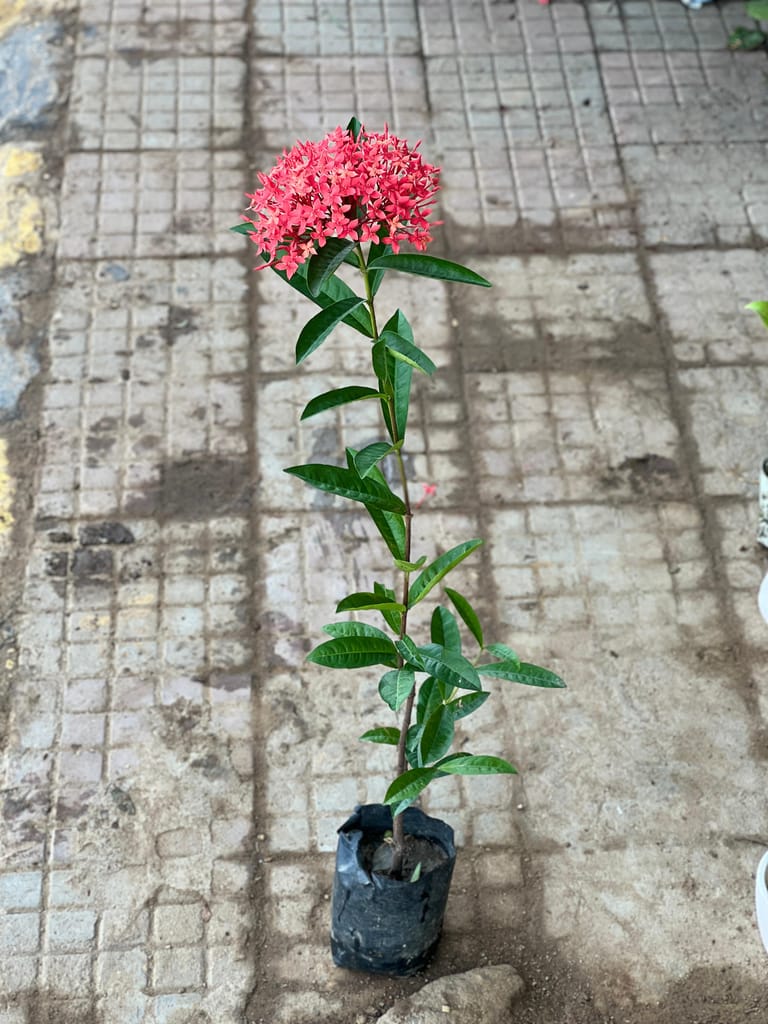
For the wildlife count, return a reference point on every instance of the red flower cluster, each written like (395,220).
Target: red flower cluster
(373,188)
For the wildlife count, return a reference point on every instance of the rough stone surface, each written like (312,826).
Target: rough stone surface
(484,995)
(172,771)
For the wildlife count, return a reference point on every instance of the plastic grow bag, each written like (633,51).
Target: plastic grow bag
(383,925)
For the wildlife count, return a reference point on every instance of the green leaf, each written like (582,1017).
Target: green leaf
(398,324)
(347,484)
(445,630)
(428,266)
(316,330)
(406,351)
(746,39)
(416,873)
(243,229)
(396,687)
(406,787)
(412,745)
(409,653)
(520,672)
(437,735)
(366,601)
(385,734)
(326,261)
(375,277)
(368,457)
(428,699)
(467,613)
(410,566)
(392,619)
(467,703)
(761,308)
(391,526)
(354,128)
(449,667)
(332,291)
(504,652)
(354,629)
(399,375)
(339,396)
(440,567)
(380,364)
(480,764)
(354,652)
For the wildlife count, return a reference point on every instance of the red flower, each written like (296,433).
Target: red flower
(370,189)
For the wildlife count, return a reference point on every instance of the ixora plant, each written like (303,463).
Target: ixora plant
(355,198)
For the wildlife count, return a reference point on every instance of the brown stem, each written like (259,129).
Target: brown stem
(398,828)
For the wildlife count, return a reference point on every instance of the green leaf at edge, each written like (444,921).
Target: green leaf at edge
(406,787)
(354,629)
(366,601)
(339,396)
(467,613)
(467,703)
(429,266)
(471,764)
(325,261)
(395,687)
(347,484)
(333,290)
(528,675)
(409,652)
(384,734)
(402,348)
(354,652)
(441,566)
(437,735)
(444,630)
(354,128)
(503,652)
(410,566)
(367,458)
(317,329)
(449,667)
(761,308)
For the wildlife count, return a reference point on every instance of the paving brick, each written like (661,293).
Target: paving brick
(19,934)
(20,890)
(176,970)
(178,924)
(70,974)
(596,417)
(71,930)
(179,842)
(563,435)
(12,1016)
(18,973)
(729,460)
(229,877)
(702,297)
(228,923)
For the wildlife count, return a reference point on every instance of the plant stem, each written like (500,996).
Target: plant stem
(398,827)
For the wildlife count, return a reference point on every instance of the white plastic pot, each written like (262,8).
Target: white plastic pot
(761,899)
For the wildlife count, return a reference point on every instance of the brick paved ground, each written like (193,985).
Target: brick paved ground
(173,773)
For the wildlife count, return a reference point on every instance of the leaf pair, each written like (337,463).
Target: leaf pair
(354,645)
(406,787)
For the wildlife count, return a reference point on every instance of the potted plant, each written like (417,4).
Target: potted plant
(353,199)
